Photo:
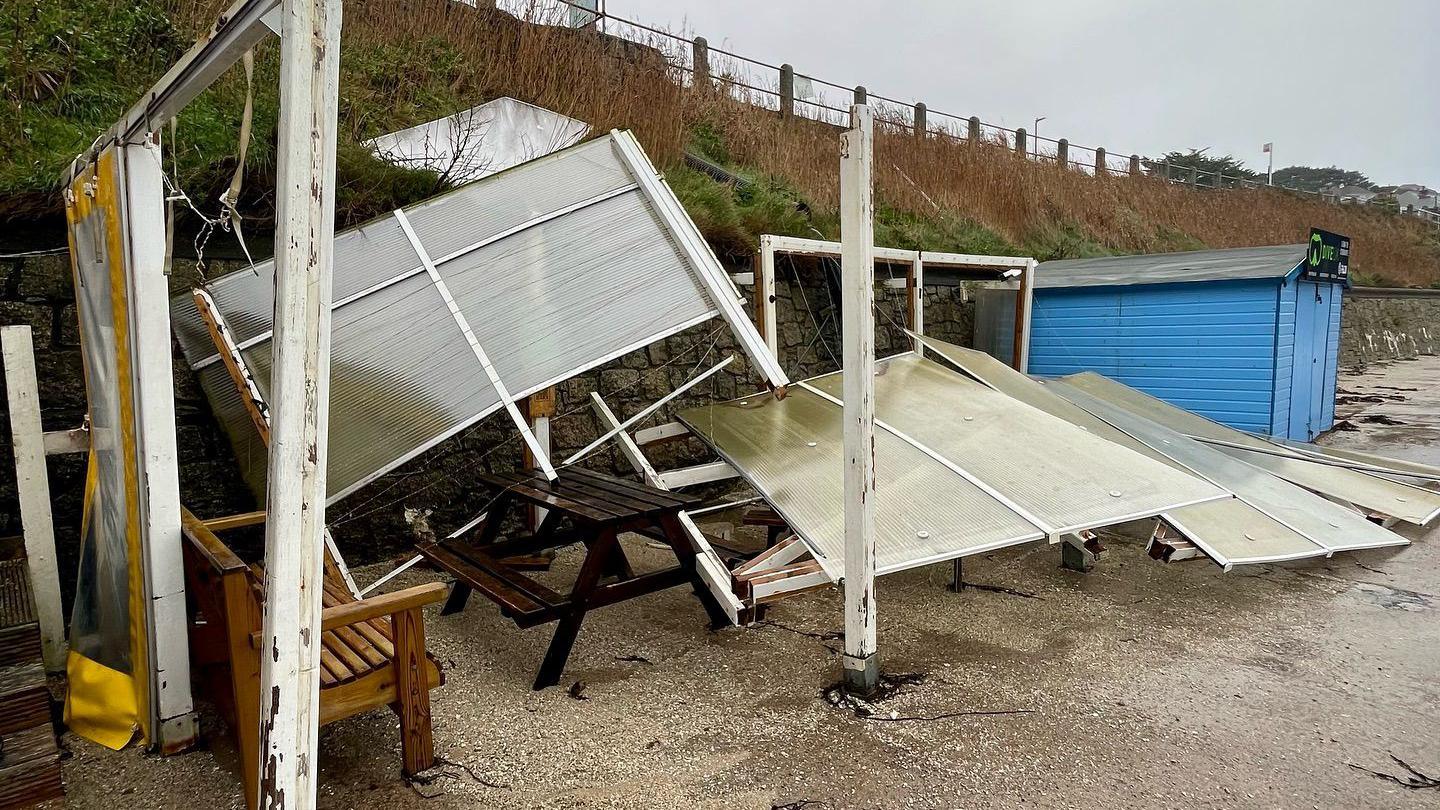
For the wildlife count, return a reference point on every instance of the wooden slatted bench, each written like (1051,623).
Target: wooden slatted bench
(581,507)
(372,651)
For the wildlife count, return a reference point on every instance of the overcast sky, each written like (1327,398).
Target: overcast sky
(1352,83)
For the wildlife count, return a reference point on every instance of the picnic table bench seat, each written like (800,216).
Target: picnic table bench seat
(585,507)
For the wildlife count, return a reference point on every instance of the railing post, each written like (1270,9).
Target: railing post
(1020,147)
(1062,153)
(862,95)
(974,129)
(1134,165)
(700,63)
(1100,167)
(1194,177)
(920,122)
(787,91)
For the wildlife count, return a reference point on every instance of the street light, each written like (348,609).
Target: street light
(1036,134)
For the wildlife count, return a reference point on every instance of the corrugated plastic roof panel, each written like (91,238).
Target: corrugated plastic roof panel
(1230,531)
(1057,472)
(1409,503)
(1322,521)
(557,265)
(791,451)
(1276,261)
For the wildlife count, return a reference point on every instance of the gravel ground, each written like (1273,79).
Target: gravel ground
(1138,684)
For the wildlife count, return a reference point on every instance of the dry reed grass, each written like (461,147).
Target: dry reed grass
(610,82)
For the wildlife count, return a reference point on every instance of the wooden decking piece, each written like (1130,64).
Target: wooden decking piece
(29,759)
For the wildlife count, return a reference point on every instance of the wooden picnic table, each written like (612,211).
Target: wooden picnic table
(584,507)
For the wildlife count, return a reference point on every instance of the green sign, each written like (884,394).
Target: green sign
(1327,257)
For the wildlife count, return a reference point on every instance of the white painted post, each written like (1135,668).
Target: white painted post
(300,404)
(857,285)
(765,292)
(28,440)
(916,283)
(148,297)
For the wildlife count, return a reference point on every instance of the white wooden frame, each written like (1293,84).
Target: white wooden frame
(32,484)
(1019,268)
(712,569)
(542,456)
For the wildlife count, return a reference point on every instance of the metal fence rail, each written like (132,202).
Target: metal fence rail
(781,89)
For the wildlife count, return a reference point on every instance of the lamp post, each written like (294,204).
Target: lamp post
(1035,133)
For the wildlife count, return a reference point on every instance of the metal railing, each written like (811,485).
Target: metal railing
(780,88)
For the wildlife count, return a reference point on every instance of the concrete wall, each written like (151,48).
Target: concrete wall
(1374,328)
(370,525)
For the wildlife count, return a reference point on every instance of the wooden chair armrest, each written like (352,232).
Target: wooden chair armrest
(386,604)
(204,541)
(223,524)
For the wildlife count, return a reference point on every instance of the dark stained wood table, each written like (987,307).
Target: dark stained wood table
(581,507)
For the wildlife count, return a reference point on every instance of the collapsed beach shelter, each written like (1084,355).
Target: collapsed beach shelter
(464,304)
(1246,336)
(961,469)
(1270,519)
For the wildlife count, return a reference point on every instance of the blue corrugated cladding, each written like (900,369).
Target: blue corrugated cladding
(1209,347)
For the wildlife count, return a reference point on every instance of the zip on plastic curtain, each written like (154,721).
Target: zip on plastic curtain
(108,698)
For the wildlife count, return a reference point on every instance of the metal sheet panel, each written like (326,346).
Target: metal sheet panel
(1408,503)
(1322,521)
(1275,261)
(1059,473)
(791,451)
(1230,531)
(558,265)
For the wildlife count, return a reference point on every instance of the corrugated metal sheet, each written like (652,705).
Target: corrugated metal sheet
(558,265)
(1411,504)
(1322,521)
(1271,262)
(792,452)
(1066,477)
(1206,347)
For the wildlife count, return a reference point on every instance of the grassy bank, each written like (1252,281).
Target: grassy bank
(74,67)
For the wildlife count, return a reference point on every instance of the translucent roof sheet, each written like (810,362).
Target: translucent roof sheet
(1059,473)
(791,450)
(481,141)
(1275,261)
(1324,522)
(1230,531)
(556,266)
(1409,503)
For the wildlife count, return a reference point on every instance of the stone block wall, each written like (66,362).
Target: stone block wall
(1378,329)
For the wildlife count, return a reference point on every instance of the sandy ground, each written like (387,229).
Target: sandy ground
(1138,684)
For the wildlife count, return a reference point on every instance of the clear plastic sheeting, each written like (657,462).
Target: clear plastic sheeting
(556,266)
(108,663)
(791,451)
(480,141)
(1408,503)
(1386,465)
(1323,522)
(1059,473)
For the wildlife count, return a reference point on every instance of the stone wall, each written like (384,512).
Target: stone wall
(370,524)
(1374,328)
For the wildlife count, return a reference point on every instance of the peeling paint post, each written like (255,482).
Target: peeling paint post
(295,502)
(857,283)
